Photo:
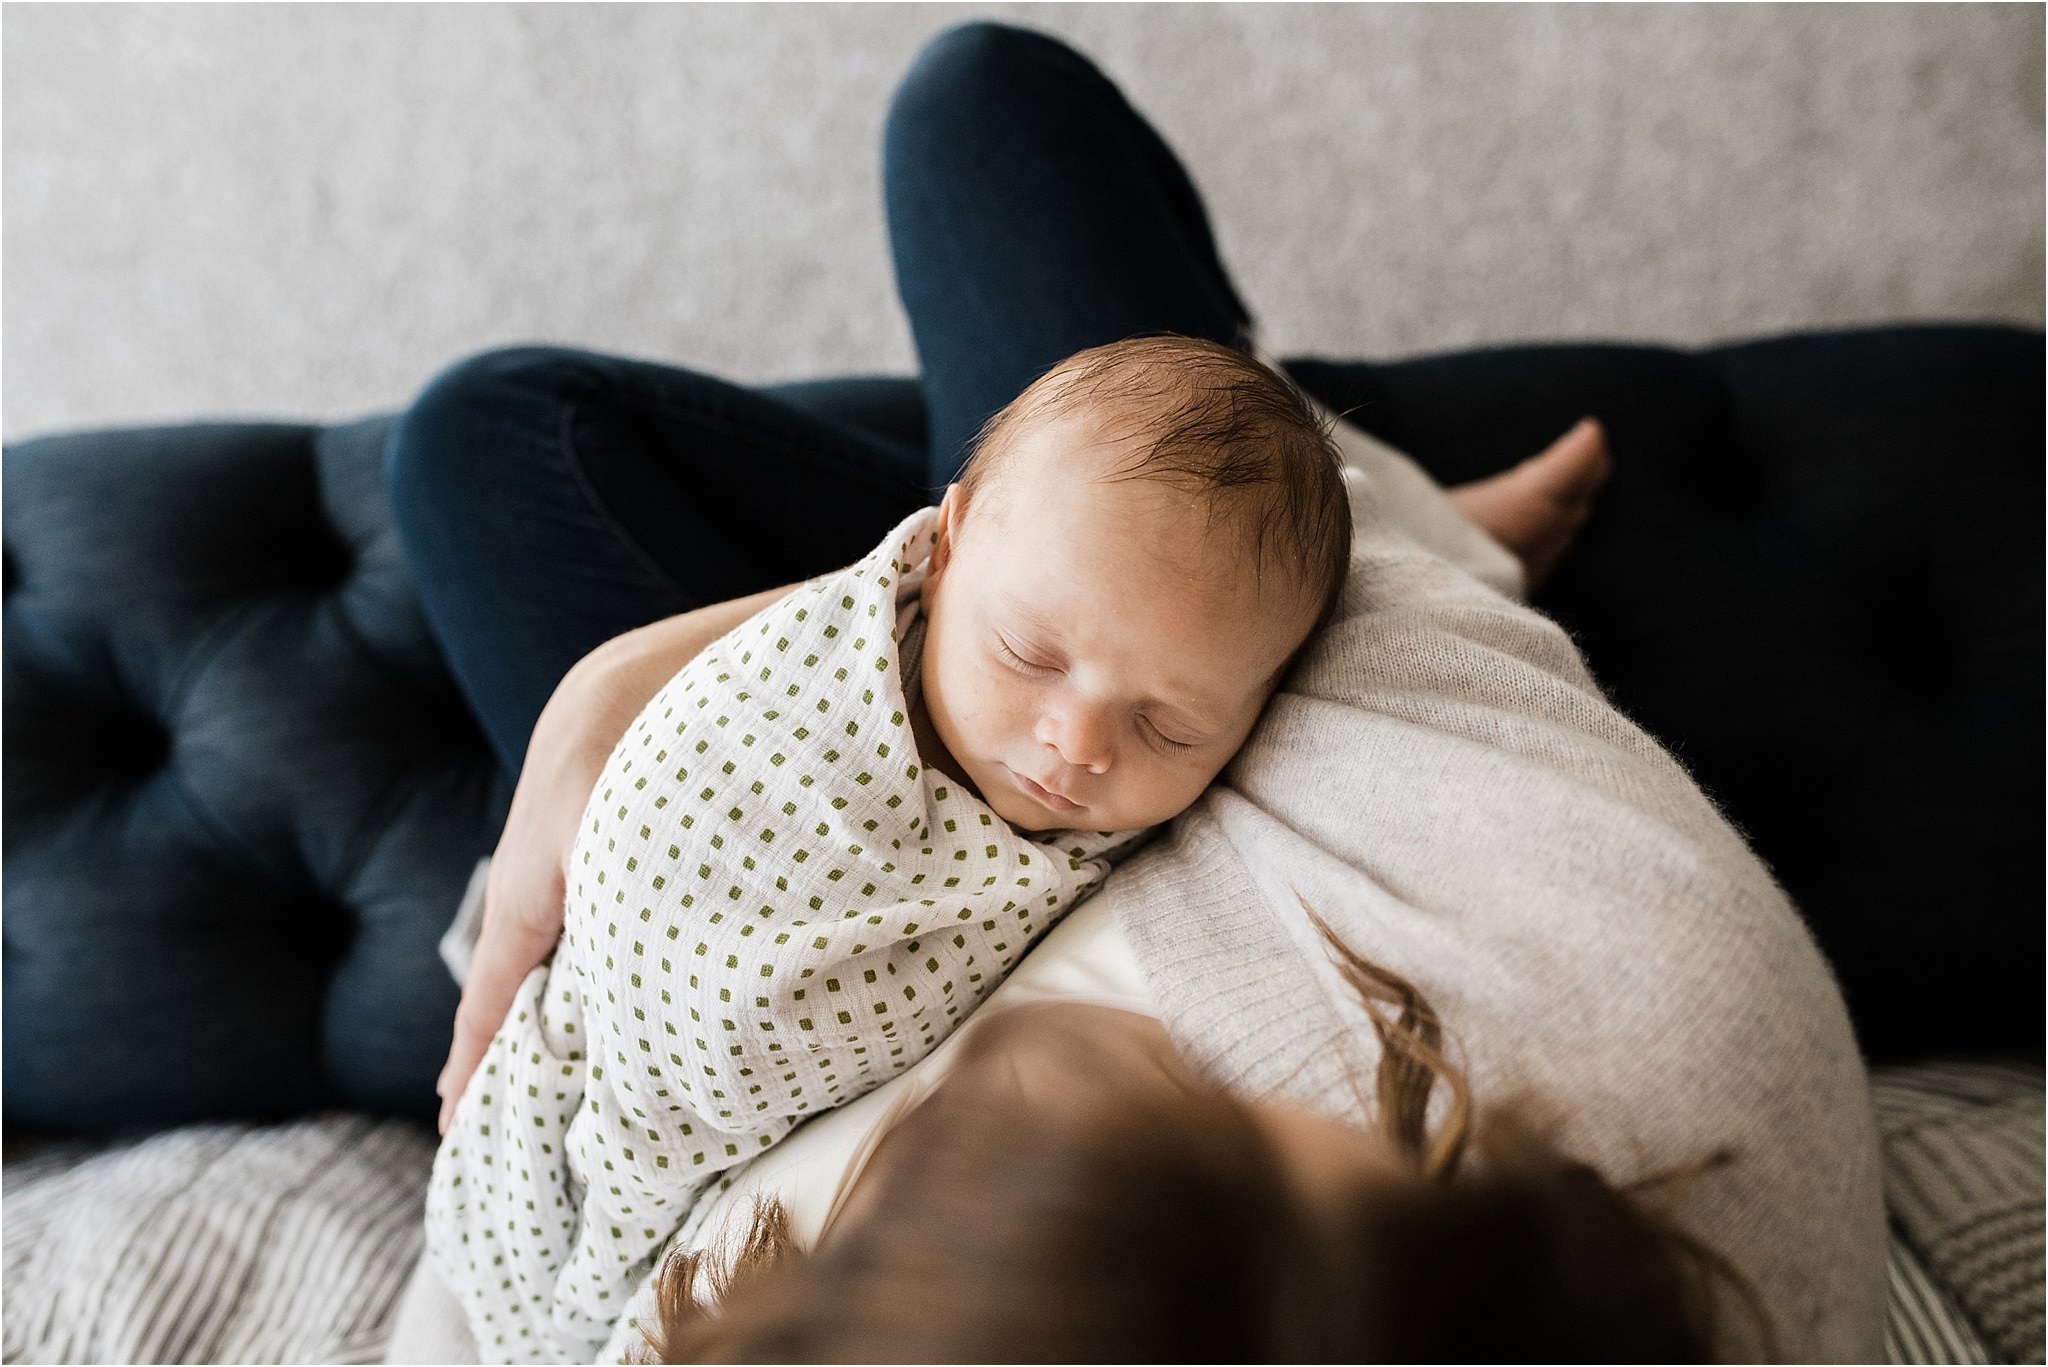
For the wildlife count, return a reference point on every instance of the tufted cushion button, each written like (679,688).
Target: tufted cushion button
(135,744)
(326,562)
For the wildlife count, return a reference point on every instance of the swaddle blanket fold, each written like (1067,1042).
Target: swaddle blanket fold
(773,907)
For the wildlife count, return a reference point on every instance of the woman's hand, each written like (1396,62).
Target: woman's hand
(525,890)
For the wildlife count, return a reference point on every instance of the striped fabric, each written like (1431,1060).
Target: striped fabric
(1921,1321)
(1963,1178)
(215,1243)
(291,1243)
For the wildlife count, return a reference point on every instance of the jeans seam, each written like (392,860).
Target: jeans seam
(566,443)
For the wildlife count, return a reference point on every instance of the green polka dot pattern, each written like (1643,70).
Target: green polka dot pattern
(773,907)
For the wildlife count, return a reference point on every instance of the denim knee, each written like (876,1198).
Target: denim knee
(973,70)
(981,46)
(454,435)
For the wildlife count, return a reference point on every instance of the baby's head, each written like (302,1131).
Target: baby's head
(1139,546)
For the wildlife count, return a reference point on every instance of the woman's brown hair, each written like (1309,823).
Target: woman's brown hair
(1147,1217)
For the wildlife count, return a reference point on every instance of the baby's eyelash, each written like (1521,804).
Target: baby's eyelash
(1164,739)
(1012,657)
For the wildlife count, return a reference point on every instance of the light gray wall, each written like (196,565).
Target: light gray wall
(304,210)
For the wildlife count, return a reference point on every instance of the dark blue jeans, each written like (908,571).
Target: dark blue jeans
(550,499)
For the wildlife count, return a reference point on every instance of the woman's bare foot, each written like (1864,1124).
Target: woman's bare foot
(1536,508)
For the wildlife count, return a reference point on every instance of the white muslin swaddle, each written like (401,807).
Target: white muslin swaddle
(773,907)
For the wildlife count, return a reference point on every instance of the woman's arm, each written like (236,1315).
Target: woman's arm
(523,893)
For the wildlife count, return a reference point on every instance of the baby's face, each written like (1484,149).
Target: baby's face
(1096,652)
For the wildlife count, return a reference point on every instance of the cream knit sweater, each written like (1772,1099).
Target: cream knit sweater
(1445,784)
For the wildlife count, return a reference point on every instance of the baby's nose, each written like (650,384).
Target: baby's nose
(1080,735)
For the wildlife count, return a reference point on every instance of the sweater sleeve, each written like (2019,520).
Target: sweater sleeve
(1444,783)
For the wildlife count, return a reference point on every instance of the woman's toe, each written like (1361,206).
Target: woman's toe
(1572,469)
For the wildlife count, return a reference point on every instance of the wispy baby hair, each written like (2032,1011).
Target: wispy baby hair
(1214,421)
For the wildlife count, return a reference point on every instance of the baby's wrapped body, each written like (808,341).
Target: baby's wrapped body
(773,907)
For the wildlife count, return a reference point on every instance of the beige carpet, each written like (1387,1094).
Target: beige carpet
(304,211)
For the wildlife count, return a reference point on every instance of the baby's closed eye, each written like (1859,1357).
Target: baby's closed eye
(1017,659)
(1154,732)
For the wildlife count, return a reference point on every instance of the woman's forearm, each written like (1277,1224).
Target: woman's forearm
(613,682)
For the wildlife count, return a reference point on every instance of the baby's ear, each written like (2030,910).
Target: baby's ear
(948,525)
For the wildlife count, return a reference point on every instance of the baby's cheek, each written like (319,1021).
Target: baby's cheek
(984,705)
(1183,788)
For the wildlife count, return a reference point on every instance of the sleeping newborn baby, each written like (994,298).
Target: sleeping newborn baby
(832,833)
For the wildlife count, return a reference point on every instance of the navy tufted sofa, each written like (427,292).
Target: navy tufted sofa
(242,795)
(242,792)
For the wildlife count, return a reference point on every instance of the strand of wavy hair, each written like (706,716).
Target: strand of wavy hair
(1413,1061)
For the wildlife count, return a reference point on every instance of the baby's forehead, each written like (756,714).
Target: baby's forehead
(1169,534)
